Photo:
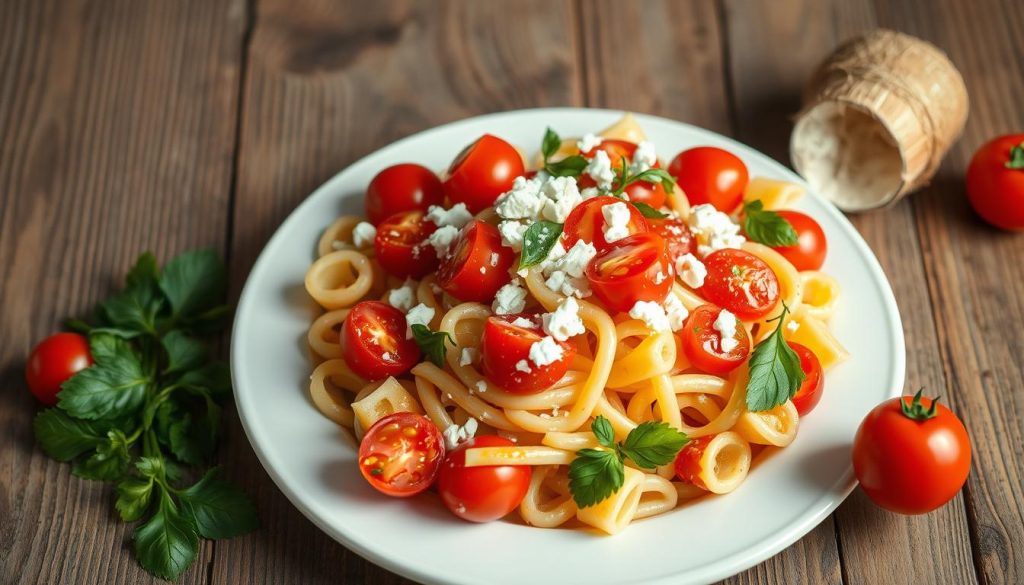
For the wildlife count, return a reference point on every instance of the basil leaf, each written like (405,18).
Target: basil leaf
(594,475)
(63,437)
(775,372)
(648,211)
(109,462)
(570,166)
(218,508)
(167,544)
(767,227)
(538,241)
(602,429)
(551,143)
(432,343)
(653,443)
(145,272)
(183,352)
(114,386)
(194,282)
(133,497)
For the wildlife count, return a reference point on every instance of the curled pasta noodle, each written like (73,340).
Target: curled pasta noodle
(772,427)
(725,462)
(339,279)
(517,456)
(338,236)
(821,294)
(773,193)
(331,402)
(614,513)
(542,510)
(657,496)
(323,336)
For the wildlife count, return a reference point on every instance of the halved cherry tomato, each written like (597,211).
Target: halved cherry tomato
(505,355)
(402,187)
(478,266)
(740,282)
(678,238)
(373,341)
(647,192)
(485,493)
(53,361)
(687,462)
(710,175)
(617,151)
(809,394)
(401,454)
(809,251)
(635,268)
(401,245)
(483,171)
(586,222)
(702,344)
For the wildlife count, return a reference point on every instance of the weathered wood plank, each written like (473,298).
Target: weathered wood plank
(327,83)
(116,136)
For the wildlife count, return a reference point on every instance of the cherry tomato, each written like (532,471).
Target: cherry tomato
(485,493)
(710,175)
(702,344)
(401,245)
(651,193)
(995,182)
(635,268)
(401,454)
(483,171)
(740,282)
(617,151)
(809,394)
(678,237)
(53,361)
(505,355)
(809,251)
(687,464)
(910,455)
(373,341)
(402,187)
(478,266)
(586,222)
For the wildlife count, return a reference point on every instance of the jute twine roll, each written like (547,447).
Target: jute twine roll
(879,114)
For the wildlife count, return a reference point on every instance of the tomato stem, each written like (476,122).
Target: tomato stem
(1016,157)
(915,410)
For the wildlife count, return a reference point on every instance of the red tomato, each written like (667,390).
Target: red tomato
(402,187)
(586,222)
(677,236)
(809,251)
(483,171)
(635,268)
(910,459)
(687,463)
(478,266)
(53,361)
(995,182)
(505,354)
(710,175)
(485,493)
(702,344)
(401,245)
(809,394)
(740,282)
(618,151)
(401,454)
(373,341)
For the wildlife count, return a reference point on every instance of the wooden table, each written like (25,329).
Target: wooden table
(128,125)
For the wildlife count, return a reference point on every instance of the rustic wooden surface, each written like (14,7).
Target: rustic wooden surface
(167,124)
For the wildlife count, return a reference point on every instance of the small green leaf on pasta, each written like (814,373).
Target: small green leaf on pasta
(538,241)
(603,431)
(594,476)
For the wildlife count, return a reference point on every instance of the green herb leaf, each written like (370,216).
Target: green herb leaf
(135,308)
(214,377)
(775,372)
(538,241)
(109,462)
(210,321)
(648,211)
(1016,157)
(551,143)
(115,386)
(194,282)
(653,175)
(653,443)
(183,352)
(602,429)
(767,227)
(167,544)
(133,497)
(63,437)
(145,272)
(432,343)
(192,440)
(594,475)
(150,467)
(219,509)
(570,166)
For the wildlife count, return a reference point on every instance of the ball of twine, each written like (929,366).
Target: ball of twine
(879,115)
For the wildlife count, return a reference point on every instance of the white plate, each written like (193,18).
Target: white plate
(314,464)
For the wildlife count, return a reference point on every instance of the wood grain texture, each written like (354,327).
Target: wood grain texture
(116,136)
(328,82)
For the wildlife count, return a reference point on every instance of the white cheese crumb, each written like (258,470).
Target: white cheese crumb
(523,366)
(616,221)
(403,297)
(725,325)
(652,314)
(562,195)
(469,355)
(510,299)
(457,217)
(418,315)
(512,233)
(442,239)
(659,277)
(575,261)
(363,234)
(589,193)
(546,351)
(565,321)
(524,323)
(588,142)
(676,312)
(481,386)
(523,201)
(600,169)
(643,158)
(713,229)
(494,258)
(455,435)
(691,271)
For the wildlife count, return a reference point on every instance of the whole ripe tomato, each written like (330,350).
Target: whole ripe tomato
(995,182)
(587,222)
(702,343)
(635,268)
(911,455)
(809,393)
(53,361)
(373,341)
(478,266)
(741,282)
(401,245)
(401,454)
(505,348)
(483,171)
(402,187)
(485,493)
(811,247)
(710,175)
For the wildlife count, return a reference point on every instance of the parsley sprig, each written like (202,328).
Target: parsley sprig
(775,372)
(766,226)
(149,407)
(623,178)
(596,474)
(432,343)
(570,166)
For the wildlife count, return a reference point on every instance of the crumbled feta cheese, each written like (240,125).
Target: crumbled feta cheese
(575,261)
(546,351)
(725,325)
(481,386)
(556,253)
(442,239)
(523,366)
(644,157)
(363,234)
(523,201)
(524,322)
(418,315)
(565,321)
(403,297)
(386,356)
(512,233)
(792,326)
(616,221)
(588,142)
(692,271)
(713,229)
(652,314)
(494,258)
(600,169)
(589,193)
(562,195)
(469,355)
(676,312)
(509,300)
(659,277)
(570,286)
(458,216)
(455,435)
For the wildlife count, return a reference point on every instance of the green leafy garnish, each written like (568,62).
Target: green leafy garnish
(570,166)
(432,343)
(767,227)
(538,241)
(651,175)
(775,372)
(648,211)
(1016,157)
(149,405)
(596,474)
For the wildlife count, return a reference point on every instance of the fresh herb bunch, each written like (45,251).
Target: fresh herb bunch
(775,372)
(149,408)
